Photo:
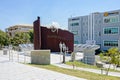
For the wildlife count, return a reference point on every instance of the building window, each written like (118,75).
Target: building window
(75,32)
(75,24)
(99,22)
(111,19)
(86,23)
(86,34)
(95,22)
(111,30)
(76,42)
(83,34)
(75,19)
(99,33)
(111,43)
(83,24)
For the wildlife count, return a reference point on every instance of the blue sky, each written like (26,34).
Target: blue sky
(14,12)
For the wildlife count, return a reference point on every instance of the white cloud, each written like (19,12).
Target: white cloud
(55,24)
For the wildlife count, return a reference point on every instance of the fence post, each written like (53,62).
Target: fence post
(9,55)
(24,58)
(18,57)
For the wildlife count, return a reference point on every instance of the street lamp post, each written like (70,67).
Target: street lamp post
(64,51)
(60,45)
(10,49)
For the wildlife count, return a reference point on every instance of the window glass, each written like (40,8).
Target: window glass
(75,32)
(74,24)
(76,42)
(110,30)
(111,19)
(75,19)
(111,43)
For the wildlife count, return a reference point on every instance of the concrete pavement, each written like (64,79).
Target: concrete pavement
(11,70)
(56,59)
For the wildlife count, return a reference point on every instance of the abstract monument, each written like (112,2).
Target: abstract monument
(50,38)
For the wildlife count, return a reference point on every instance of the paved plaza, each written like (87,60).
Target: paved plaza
(57,62)
(12,70)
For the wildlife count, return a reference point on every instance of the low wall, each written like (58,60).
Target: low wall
(89,56)
(40,57)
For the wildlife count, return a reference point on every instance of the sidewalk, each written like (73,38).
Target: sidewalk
(16,71)
(87,69)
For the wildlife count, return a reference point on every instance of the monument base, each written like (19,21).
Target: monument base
(40,57)
(89,56)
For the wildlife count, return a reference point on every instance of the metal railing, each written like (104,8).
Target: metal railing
(22,55)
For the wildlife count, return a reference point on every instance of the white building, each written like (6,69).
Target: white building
(103,28)
(18,28)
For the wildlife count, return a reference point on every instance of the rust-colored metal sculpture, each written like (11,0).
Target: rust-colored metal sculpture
(49,38)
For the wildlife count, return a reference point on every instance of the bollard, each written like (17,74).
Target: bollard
(101,70)
(73,66)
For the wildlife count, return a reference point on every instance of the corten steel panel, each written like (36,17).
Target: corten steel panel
(50,40)
(44,38)
(37,34)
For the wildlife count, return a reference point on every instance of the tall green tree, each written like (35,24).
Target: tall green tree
(113,57)
(31,34)
(3,38)
(20,38)
(113,53)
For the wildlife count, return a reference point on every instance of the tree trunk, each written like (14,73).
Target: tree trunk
(0,46)
(63,57)
(107,71)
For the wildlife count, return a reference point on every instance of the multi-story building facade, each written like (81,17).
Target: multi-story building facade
(18,28)
(101,27)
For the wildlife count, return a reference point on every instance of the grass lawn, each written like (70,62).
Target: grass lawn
(81,74)
(80,64)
